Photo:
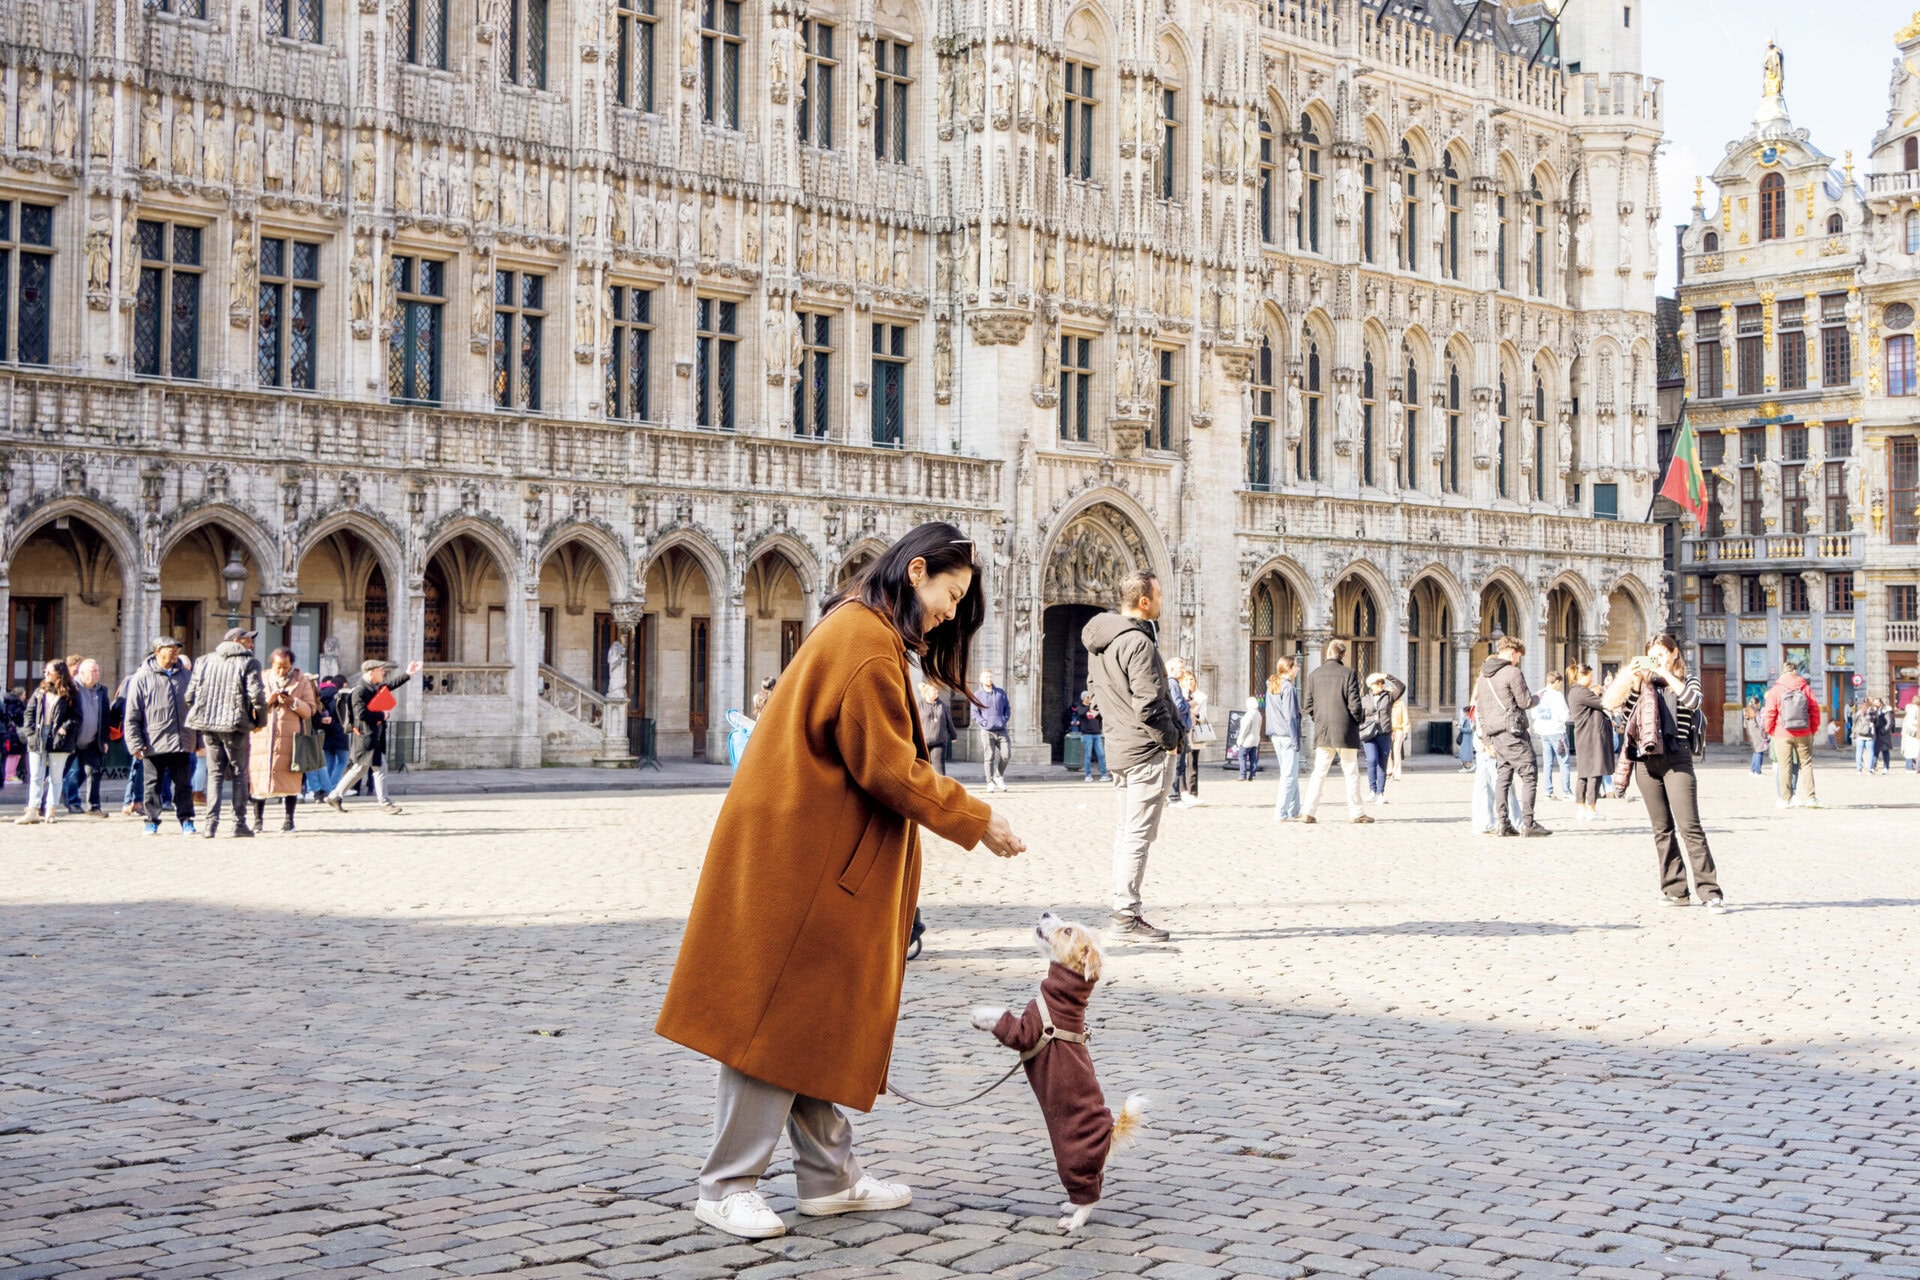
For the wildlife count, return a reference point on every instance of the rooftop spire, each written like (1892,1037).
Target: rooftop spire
(1772,117)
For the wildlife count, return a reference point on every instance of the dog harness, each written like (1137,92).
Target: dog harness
(1048,1033)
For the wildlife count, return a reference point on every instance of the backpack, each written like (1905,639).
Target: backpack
(1796,712)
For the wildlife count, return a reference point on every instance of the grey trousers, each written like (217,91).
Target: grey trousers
(358,770)
(228,755)
(1143,798)
(999,747)
(748,1116)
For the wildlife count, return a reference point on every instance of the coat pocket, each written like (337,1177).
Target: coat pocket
(865,854)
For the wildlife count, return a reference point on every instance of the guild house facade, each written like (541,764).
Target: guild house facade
(580,348)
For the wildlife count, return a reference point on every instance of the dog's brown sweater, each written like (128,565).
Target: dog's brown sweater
(1062,1077)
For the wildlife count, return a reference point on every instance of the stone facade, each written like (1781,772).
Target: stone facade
(581,350)
(1790,293)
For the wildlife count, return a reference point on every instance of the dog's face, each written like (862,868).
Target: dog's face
(1069,944)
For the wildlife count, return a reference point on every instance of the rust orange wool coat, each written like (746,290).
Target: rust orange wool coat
(795,950)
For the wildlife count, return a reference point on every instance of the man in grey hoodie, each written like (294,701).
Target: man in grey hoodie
(1129,684)
(225,700)
(1501,701)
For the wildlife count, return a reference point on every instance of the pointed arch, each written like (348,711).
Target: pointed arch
(696,543)
(798,555)
(490,536)
(607,549)
(115,526)
(255,537)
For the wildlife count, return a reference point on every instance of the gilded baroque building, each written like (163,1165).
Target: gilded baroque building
(1890,424)
(1770,303)
(580,349)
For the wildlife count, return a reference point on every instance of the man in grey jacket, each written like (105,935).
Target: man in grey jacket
(1129,684)
(155,726)
(1501,701)
(225,700)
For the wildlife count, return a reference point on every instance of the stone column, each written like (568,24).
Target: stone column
(1463,666)
(615,753)
(523,675)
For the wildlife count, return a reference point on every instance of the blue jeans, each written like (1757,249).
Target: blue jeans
(1376,749)
(1863,754)
(136,786)
(1485,771)
(1559,760)
(320,781)
(1760,761)
(1093,746)
(1286,757)
(43,782)
(1249,761)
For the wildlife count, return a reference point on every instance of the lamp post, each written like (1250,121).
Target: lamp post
(235,576)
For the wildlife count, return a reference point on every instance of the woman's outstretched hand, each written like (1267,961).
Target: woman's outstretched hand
(1000,840)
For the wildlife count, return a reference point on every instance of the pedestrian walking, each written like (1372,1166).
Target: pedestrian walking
(81,784)
(1883,726)
(1129,684)
(1384,693)
(1550,718)
(1655,701)
(157,735)
(1592,738)
(805,904)
(994,713)
(366,717)
(1465,735)
(936,719)
(1791,716)
(1402,738)
(52,729)
(291,701)
(225,700)
(1093,740)
(1332,702)
(1247,740)
(1183,712)
(1283,730)
(1861,726)
(13,746)
(333,739)
(1756,735)
(1199,732)
(1501,704)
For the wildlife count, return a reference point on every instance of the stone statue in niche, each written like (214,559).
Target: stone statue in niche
(616,672)
(480,301)
(99,254)
(306,161)
(1396,427)
(329,664)
(1123,367)
(709,228)
(902,260)
(459,187)
(246,153)
(276,157)
(750,234)
(1486,432)
(1526,442)
(362,168)
(1029,86)
(245,273)
(66,119)
(186,147)
(1002,86)
(689,231)
(999,263)
(534,199)
(406,184)
(557,202)
(150,151)
(1296,411)
(360,272)
(1564,439)
(663,222)
(1346,418)
(773,342)
(100,120)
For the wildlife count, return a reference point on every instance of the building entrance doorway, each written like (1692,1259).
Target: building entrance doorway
(1063,672)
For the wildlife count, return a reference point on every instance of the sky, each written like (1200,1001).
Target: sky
(1839,58)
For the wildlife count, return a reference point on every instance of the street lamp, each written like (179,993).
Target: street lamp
(235,575)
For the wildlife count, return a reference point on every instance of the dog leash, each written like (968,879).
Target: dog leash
(1048,1032)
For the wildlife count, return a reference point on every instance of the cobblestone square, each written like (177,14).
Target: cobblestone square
(423,1045)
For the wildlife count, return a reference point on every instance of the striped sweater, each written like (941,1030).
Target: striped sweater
(1686,706)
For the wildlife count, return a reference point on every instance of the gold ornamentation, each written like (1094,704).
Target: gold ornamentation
(1909,32)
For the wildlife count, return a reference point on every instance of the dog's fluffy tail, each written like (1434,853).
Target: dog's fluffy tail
(1132,1118)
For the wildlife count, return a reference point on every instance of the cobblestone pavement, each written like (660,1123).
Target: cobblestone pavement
(422,1045)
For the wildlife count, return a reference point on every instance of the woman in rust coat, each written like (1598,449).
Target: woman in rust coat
(789,974)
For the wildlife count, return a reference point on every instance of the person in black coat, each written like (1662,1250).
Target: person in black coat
(367,731)
(1592,739)
(1332,702)
(52,732)
(936,720)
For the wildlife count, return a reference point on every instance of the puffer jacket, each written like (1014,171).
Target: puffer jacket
(225,694)
(155,721)
(53,723)
(1129,684)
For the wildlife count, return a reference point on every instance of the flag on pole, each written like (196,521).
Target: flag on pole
(1686,484)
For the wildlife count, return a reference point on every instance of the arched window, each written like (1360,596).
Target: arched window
(1410,406)
(1540,438)
(1910,154)
(1835,224)
(1307,463)
(1369,201)
(1266,182)
(1366,419)
(1310,162)
(1167,183)
(1410,213)
(1501,479)
(1451,476)
(1260,432)
(1450,254)
(1710,242)
(1773,207)
(1537,218)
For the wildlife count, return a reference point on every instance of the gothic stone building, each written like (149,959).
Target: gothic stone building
(580,347)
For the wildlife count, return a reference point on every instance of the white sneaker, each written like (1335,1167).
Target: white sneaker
(866,1195)
(1718,906)
(1782,804)
(742,1214)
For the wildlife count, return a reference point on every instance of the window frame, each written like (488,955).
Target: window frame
(814,90)
(1076,389)
(1900,365)
(1076,148)
(813,383)
(519,316)
(716,363)
(524,46)
(1773,207)
(1166,164)
(1268,176)
(1262,425)
(279,18)
(1307,467)
(629,364)
(1836,344)
(170,278)
(1791,327)
(637,53)
(889,390)
(18,313)
(288,293)
(419,311)
(424,33)
(1166,406)
(722,50)
(893,88)
(1312,161)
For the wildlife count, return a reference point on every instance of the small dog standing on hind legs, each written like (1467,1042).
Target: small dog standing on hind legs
(1051,1036)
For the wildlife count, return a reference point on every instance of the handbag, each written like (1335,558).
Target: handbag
(309,756)
(1202,732)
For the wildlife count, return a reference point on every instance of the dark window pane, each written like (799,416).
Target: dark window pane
(36,225)
(306,261)
(272,256)
(184,339)
(267,343)
(186,246)
(147,323)
(36,288)
(300,361)
(153,240)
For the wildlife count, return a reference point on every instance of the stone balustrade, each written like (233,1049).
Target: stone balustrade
(1309,517)
(1791,546)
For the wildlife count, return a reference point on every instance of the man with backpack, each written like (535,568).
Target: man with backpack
(1791,717)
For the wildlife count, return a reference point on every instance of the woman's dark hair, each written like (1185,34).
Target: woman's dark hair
(884,587)
(58,681)
(283,651)
(1666,641)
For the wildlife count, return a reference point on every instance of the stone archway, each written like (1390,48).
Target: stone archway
(1088,559)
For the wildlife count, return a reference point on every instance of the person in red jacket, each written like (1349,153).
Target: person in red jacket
(1791,717)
